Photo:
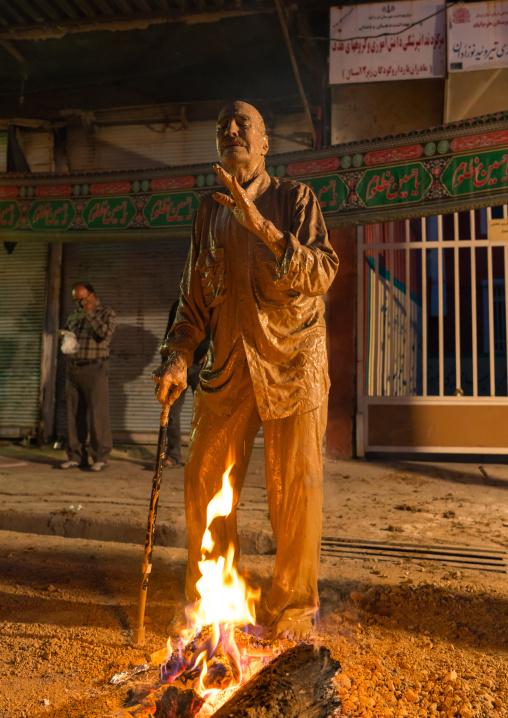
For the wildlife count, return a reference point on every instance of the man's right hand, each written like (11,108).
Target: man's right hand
(170,379)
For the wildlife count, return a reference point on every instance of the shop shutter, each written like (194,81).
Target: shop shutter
(143,147)
(22,310)
(140,280)
(3,151)
(38,148)
(123,147)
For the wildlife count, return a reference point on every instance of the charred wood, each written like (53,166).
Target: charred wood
(178,704)
(296,684)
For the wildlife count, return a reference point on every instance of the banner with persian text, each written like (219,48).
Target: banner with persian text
(434,171)
(477,36)
(387,41)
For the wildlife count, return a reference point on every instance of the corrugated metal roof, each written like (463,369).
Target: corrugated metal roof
(18,19)
(60,55)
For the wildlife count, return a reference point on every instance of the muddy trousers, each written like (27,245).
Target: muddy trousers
(294,479)
(87,393)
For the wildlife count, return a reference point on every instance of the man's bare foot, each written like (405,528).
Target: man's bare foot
(296,629)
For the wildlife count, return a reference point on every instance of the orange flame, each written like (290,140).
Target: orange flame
(226,600)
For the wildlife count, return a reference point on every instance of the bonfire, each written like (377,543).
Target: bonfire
(216,653)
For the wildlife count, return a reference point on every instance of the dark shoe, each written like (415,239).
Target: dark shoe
(173,464)
(70,465)
(99,466)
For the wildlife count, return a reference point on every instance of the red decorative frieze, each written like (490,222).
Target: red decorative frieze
(172,183)
(313,167)
(9,191)
(488,139)
(55,190)
(398,154)
(446,168)
(110,188)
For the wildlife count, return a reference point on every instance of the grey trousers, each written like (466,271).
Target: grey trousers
(87,394)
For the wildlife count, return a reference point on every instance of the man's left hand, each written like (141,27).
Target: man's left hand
(247,213)
(88,303)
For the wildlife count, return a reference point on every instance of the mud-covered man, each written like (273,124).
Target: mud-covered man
(258,265)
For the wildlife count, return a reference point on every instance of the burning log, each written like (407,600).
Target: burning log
(178,704)
(296,684)
(222,660)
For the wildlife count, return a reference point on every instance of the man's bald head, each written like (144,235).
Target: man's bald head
(243,108)
(241,139)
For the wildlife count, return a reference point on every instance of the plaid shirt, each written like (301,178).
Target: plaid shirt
(93,331)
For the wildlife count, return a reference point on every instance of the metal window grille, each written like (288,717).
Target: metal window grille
(433,307)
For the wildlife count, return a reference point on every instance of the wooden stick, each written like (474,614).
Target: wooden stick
(138,634)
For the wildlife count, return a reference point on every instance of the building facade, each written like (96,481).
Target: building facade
(416,316)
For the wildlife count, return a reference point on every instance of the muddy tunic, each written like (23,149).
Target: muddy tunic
(270,312)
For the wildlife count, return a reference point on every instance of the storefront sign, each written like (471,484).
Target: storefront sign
(480,172)
(477,36)
(9,214)
(111,213)
(168,210)
(51,214)
(397,185)
(498,230)
(330,191)
(370,42)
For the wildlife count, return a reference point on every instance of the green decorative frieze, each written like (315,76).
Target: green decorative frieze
(168,210)
(51,214)
(330,191)
(10,214)
(481,172)
(109,213)
(434,171)
(402,184)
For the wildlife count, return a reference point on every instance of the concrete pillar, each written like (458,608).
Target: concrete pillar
(50,343)
(341,322)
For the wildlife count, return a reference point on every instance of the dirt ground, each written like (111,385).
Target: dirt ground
(413,637)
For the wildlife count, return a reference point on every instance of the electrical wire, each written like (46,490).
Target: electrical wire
(383,34)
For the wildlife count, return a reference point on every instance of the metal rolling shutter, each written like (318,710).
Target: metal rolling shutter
(118,147)
(140,280)
(22,310)
(3,151)
(122,147)
(38,148)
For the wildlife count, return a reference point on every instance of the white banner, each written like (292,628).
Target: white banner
(477,36)
(380,42)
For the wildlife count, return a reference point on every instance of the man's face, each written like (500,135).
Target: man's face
(83,297)
(241,137)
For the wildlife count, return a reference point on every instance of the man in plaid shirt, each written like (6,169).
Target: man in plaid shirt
(87,380)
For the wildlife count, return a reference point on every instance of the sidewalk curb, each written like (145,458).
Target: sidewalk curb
(170,535)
